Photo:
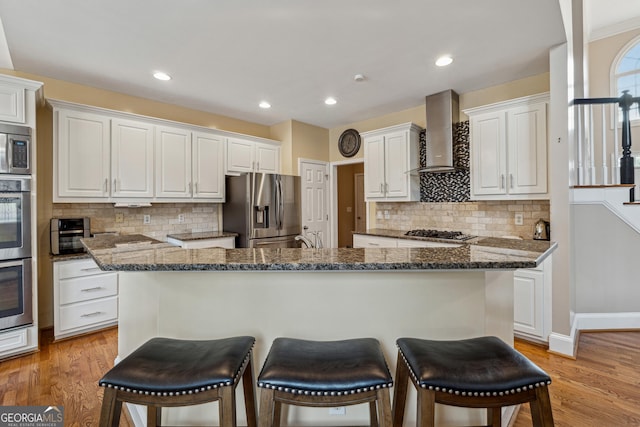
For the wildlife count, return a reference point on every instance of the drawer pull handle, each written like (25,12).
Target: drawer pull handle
(97,288)
(90,269)
(95,313)
(374,244)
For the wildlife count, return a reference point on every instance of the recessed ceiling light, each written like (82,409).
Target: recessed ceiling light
(330,101)
(444,60)
(264,104)
(161,76)
(359,77)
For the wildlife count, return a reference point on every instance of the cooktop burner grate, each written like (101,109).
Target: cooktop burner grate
(439,234)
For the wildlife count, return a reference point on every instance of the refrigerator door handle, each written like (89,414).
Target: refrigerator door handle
(281,203)
(278,203)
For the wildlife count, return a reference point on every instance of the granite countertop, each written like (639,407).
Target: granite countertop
(141,253)
(202,235)
(400,234)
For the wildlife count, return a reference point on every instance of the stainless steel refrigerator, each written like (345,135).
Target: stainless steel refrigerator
(264,209)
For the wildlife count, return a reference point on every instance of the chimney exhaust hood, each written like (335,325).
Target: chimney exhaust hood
(442,112)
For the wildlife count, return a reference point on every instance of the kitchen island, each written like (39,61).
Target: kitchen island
(323,294)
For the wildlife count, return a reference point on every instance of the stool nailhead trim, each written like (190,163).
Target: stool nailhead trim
(324,393)
(183,392)
(471,393)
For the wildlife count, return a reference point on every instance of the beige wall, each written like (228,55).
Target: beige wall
(283,132)
(300,140)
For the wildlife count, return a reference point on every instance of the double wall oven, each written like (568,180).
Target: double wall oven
(15,228)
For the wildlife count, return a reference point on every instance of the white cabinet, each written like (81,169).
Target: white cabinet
(252,156)
(390,154)
(85,298)
(208,166)
(173,163)
(131,159)
(12,102)
(81,156)
(532,302)
(107,156)
(509,149)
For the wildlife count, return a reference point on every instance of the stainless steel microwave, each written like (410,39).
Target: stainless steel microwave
(15,149)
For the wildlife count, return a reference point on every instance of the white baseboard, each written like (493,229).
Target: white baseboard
(138,414)
(567,344)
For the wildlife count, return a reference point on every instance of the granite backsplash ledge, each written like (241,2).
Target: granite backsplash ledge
(481,218)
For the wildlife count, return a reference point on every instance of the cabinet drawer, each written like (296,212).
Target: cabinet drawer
(77,268)
(89,313)
(88,287)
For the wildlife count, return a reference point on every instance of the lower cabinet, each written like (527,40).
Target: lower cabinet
(368,241)
(532,302)
(85,298)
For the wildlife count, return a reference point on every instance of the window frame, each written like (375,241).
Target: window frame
(614,76)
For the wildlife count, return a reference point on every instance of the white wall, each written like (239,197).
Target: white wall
(606,262)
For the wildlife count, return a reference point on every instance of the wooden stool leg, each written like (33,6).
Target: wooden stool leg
(494,417)
(400,391)
(249,394)
(373,414)
(111,408)
(541,413)
(385,416)
(426,408)
(267,406)
(154,416)
(277,414)
(227,406)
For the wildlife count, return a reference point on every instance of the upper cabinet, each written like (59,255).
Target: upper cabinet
(131,159)
(390,156)
(252,156)
(81,156)
(12,103)
(107,156)
(509,149)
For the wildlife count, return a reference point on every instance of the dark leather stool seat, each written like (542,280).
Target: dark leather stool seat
(479,373)
(325,374)
(171,372)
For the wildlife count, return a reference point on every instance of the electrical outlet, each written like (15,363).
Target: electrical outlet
(386,215)
(519,219)
(146,219)
(180,218)
(340,410)
(119,217)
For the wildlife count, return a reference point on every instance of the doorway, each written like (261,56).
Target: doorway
(344,197)
(314,201)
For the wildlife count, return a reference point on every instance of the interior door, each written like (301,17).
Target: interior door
(315,213)
(361,206)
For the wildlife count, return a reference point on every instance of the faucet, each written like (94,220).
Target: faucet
(305,240)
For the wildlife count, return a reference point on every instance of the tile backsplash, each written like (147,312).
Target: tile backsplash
(164,217)
(483,218)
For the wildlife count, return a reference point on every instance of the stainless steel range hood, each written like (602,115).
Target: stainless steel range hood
(442,112)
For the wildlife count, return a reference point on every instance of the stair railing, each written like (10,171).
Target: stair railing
(621,170)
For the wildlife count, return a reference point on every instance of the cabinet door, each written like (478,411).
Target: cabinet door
(267,158)
(173,162)
(240,155)
(11,103)
(528,307)
(488,155)
(527,149)
(374,182)
(208,166)
(82,155)
(396,165)
(131,159)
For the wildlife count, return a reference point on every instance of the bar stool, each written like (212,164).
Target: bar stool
(476,373)
(325,374)
(171,372)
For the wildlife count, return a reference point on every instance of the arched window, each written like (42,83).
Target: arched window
(625,73)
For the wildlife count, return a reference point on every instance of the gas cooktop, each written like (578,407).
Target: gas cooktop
(439,234)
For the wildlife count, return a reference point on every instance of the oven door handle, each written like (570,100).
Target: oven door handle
(18,263)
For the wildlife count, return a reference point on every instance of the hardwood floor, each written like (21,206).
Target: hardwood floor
(601,388)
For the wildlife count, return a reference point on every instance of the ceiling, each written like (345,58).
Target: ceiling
(225,56)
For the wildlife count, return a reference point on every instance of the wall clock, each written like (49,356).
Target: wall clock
(349,143)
